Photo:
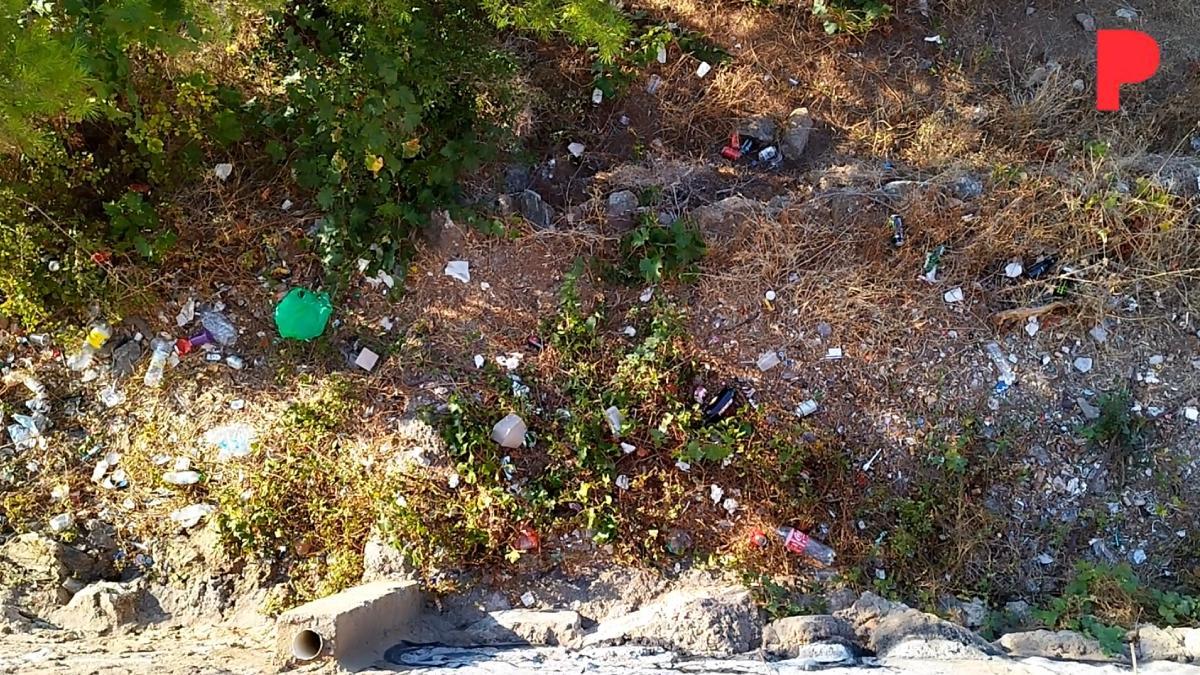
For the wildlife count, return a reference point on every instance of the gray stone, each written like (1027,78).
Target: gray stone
(1063,644)
(971,614)
(723,214)
(698,622)
(796,131)
(1087,21)
(761,128)
(622,205)
(885,627)
(535,210)
(125,358)
(516,178)
(1168,644)
(814,656)
(100,608)
(553,628)
(1089,411)
(382,561)
(935,649)
(785,637)
(901,190)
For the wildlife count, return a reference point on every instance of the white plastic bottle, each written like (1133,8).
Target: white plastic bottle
(96,337)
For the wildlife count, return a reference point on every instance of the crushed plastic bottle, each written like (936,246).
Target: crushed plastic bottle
(232,441)
(800,543)
(96,337)
(217,329)
(160,351)
(1007,377)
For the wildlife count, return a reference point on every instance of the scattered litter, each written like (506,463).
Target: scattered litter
(1083,364)
(96,337)
(366,359)
(646,295)
(953,295)
(62,522)
(510,431)
(1045,559)
(479,360)
(110,396)
(302,314)
(770,296)
(459,269)
(897,224)
(866,467)
(386,323)
(223,171)
(1191,414)
(161,350)
(519,388)
(1032,326)
(1014,269)
(622,482)
(768,360)
(682,465)
(629,331)
(730,505)
(806,408)
(936,39)
(613,416)
(237,404)
(1127,14)
(234,361)
(576,149)
(181,477)
(834,353)
(231,440)
(703,69)
(528,540)
(186,313)
(627,448)
(1099,333)
(286,205)
(1138,557)
(1007,376)
(510,362)
(527,598)
(933,260)
(715,493)
(662,54)
(453,481)
(1157,360)
(720,406)
(653,84)
(597,96)
(800,543)
(190,516)
(1041,268)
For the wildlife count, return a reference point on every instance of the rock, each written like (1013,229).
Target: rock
(904,190)
(785,637)
(721,215)
(100,608)
(1089,411)
(840,598)
(815,656)
(796,131)
(516,178)
(1063,644)
(383,562)
(48,560)
(1087,21)
(894,630)
(554,628)
(1083,364)
(698,622)
(971,614)
(622,205)
(535,210)
(1168,644)
(761,128)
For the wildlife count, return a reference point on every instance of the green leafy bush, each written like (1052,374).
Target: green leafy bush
(851,16)
(663,252)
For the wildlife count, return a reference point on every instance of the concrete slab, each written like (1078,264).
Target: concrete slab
(353,627)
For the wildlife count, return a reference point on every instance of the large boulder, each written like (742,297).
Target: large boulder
(896,631)
(786,637)
(101,608)
(1168,644)
(45,559)
(554,628)
(697,622)
(1062,644)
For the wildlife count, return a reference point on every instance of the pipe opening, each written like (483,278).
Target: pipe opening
(307,644)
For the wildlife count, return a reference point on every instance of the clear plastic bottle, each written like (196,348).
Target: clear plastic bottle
(96,337)
(1007,376)
(217,329)
(158,362)
(798,542)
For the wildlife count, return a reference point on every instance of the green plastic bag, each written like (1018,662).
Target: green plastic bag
(302,314)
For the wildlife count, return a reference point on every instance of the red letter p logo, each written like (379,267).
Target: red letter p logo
(1122,57)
